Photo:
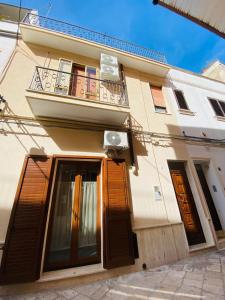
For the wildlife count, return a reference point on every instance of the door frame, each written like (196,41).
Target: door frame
(202,165)
(188,173)
(212,165)
(56,159)
(199,198)
(86,93)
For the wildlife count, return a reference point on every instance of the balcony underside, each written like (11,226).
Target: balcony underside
(64,42)
(52,106)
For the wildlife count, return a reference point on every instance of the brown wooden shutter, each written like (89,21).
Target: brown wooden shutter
(22,251)
(157,96)
(118,246)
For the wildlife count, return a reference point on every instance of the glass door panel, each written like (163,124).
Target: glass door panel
(87,242)
(62,223)
(74,230)
(92,84)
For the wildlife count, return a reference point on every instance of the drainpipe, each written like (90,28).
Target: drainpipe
(131,144)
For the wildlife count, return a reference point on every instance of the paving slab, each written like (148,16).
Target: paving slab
(195,278)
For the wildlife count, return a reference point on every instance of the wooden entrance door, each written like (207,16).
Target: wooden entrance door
(74,231)
(208,197)
(186,203)
(78,81)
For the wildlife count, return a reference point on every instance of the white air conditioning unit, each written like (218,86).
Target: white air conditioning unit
(109,73)
(115,140)
(34,18)
(109,60)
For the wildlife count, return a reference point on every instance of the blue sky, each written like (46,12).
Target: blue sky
(184,43)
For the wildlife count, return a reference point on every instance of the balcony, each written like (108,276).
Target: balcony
(75,39)
(57,94)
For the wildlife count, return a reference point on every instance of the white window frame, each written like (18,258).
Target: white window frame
(218,102)
(182,109)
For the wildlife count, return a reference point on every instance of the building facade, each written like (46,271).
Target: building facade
(199,107)
(70,208)
(9,31)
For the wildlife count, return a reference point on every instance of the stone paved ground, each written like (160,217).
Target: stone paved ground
(195,278)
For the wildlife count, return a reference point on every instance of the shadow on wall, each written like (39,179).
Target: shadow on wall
(76,139)
(20,129)
(164,239)
(32,133)
(203,134)
(140,147)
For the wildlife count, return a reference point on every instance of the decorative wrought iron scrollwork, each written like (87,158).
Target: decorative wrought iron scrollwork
(78,86)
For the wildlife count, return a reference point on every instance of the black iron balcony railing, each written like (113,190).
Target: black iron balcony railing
(79,86)
(93,36)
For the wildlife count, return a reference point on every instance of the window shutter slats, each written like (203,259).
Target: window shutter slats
(118,246)
(157,95)
(23,247)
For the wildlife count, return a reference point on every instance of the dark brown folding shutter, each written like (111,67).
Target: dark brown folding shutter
(118,247)
(22,252)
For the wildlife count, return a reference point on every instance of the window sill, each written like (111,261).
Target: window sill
(200,247)
(163,113)
(186,112)
(220,118)
(71,272)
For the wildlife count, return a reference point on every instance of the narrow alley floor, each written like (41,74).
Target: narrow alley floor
(195,278)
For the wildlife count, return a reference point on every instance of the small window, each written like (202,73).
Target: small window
(218,107)
(160,109)
(181,100)
(158,99)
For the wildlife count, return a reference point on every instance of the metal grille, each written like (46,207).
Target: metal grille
(70,84)
(93,36)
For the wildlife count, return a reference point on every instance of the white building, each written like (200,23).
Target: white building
(199,105)
(9,33)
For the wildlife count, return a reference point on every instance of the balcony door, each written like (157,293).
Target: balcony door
(83,82)
(77,84)
(74,230)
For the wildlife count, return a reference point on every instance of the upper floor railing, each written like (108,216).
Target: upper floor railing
(79,86)
(90,35)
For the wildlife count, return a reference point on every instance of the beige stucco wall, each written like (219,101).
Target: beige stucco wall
(215,71)
(158,224)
